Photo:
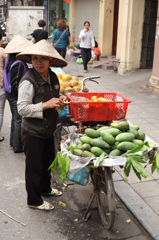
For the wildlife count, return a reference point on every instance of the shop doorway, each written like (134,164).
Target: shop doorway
(115,26)
(149,30)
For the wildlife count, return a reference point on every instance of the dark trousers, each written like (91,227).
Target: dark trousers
(39,154)
(15,134)
(61,51)
(86,56)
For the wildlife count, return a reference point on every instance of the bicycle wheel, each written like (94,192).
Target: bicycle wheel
(105,197)
(61,133)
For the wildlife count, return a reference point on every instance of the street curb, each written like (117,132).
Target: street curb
(145,215)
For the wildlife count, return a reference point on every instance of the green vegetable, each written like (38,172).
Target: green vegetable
(157,162)
(100,159)
(127,169)
(63,165)
(139,168)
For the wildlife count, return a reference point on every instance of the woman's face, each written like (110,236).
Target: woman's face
(86,26)
(40,63)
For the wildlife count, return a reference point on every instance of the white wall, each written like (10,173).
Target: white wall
(23,20)
(86,10)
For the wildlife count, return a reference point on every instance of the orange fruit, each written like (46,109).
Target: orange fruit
(94,98)
(59,75)
(66,77)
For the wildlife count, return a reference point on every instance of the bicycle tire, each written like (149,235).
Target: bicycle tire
(106,197)
(60,134)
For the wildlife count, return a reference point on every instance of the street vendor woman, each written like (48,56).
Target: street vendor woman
(38,97)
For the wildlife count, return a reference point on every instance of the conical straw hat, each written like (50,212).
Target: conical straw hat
(42,48)
(17,44)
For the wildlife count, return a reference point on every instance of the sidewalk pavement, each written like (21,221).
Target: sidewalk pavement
(141,197)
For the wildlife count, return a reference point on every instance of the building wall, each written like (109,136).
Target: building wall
(86,11)
(23,20)
(105,34)
(131,16)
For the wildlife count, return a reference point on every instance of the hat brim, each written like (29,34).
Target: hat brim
(42,48)
(17,44)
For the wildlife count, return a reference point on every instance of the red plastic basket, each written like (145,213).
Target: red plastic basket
(84,111)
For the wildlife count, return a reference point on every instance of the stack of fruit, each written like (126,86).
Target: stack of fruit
(113,141)
(69,83)
(120,139)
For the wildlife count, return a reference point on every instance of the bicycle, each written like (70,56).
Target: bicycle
(103,185)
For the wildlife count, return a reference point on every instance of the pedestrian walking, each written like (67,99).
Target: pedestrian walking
(60,39)
(38,98)
(67,28)
(14,70)
(87,41)
(3,57)
(40,33)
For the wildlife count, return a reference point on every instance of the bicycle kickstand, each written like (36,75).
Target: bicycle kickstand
(87,214)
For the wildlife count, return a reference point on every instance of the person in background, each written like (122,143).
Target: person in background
(40,33)
(67,27)
(14,70)
(38,99)
(60,39)
(3,57)
(87,41)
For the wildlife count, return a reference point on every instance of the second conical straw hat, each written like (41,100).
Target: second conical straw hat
(17,44)
(43,48)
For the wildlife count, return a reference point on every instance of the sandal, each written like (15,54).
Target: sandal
(45,206)
(54,192)
(85,71)
(1,139)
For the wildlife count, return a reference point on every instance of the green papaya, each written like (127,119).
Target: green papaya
(98,142)
(92,133)
(115,152)
(86,139)
(141,135)
(86,146)
(107,137)
(125,146)
(134,131)
(77,152)
(123,125)
(126,136)
(87,154)
(97,151)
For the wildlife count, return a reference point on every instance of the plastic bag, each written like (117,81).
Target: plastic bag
(63,112)
(57,70)
(69,52)
(79,61)
(81,177)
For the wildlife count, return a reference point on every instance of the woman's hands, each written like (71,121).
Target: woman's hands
(55,102)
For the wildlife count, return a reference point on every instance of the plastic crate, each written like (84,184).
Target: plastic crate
(85,111)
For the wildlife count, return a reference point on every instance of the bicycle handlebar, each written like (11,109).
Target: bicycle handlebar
(89,79)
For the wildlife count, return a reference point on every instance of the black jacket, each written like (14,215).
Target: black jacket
(42,128)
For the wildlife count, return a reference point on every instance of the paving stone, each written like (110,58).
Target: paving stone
(146,216)
(153,202)
(146,189)
(134,179)
(117,176)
